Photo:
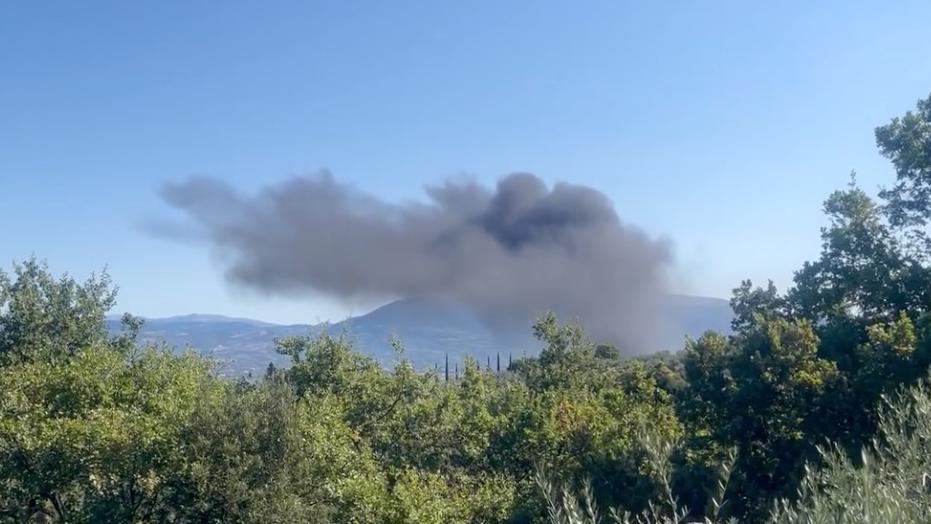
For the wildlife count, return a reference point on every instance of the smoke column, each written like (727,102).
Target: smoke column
(511,252)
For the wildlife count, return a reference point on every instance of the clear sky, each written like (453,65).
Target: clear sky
(719,125)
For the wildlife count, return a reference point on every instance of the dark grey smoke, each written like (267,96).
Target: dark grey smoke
(512,252)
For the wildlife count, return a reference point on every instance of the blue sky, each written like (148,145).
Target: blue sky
(719,125)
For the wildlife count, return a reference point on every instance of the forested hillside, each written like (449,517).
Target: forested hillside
(795,416)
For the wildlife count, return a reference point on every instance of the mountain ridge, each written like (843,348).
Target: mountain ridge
(427,330)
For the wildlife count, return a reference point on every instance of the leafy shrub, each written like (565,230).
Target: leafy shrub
(887,483)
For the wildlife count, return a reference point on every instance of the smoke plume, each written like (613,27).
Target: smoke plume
(511,252)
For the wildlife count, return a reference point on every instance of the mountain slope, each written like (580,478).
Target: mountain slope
(428,331)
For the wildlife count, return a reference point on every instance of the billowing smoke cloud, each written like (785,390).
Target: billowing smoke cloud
(511,253)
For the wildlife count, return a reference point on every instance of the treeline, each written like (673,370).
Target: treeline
(96,428)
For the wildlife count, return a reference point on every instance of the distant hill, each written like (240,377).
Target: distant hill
(427,330)
(686,315)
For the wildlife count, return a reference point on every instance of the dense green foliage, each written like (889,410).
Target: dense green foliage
(97,428)
(886,483)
